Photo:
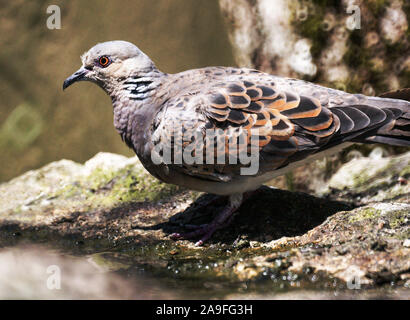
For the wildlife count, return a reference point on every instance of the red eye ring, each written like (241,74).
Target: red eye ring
(104,61)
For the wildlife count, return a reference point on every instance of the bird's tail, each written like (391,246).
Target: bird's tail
(395,129)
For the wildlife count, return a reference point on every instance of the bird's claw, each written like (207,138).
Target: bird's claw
(206,231)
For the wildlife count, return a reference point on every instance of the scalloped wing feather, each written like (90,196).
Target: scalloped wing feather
(291,118)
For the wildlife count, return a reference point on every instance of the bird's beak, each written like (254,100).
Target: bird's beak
(79,75)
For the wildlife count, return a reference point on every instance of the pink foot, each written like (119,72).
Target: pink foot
(205,231)
(224,218)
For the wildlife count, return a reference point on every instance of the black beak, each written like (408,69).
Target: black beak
(77,76)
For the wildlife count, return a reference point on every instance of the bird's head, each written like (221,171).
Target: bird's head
(108,63)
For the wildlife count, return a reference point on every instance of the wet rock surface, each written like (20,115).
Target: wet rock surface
(109,218)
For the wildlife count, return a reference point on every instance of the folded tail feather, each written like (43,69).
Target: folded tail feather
(395,130)
(402,94)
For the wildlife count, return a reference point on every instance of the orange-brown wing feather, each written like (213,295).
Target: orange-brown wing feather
(275,114)
(286,125)
(283,122)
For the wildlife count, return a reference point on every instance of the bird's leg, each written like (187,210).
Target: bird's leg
(213,201)
(220,221)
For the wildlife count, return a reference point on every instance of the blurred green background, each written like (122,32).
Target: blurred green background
(39,122)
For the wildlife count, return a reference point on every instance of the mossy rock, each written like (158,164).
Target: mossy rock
(63,187)
(111,211)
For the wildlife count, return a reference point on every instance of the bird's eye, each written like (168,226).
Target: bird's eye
(104,61)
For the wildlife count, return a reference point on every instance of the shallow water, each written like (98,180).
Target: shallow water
(39,272)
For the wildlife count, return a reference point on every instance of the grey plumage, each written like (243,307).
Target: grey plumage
(295,120)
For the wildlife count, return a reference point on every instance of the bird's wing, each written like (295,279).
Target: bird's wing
(292,119)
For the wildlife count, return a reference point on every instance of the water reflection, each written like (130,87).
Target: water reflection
(36,272)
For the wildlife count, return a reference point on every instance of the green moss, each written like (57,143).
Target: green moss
(360,179)
(312,27)
(356,56)
(405,173)
(398,218)
(136,187)
(377,7)
(69,191)
(128,184)
(359,58)
(104,187)
(99,178)
(365,213)
(378,178)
